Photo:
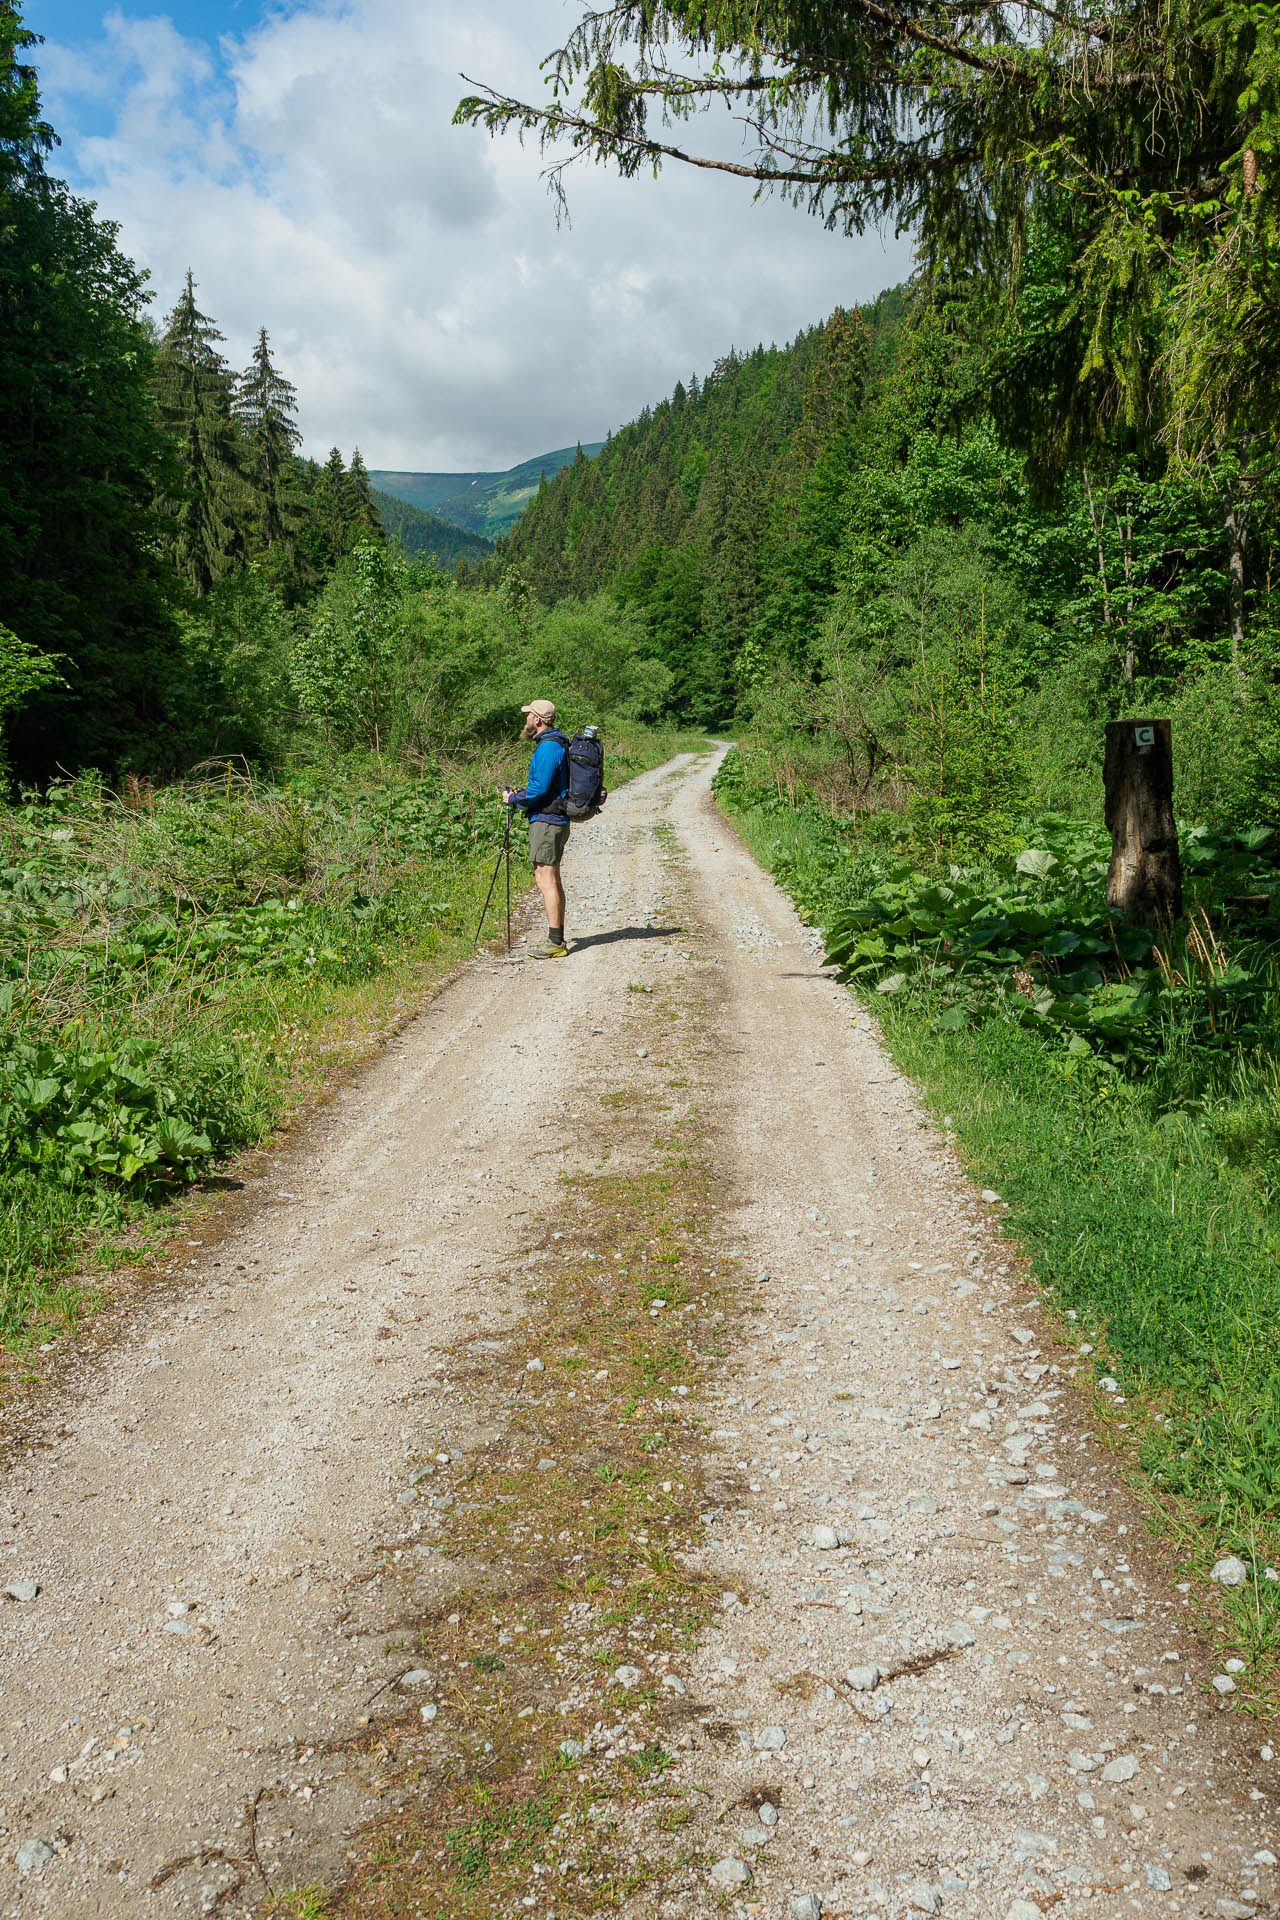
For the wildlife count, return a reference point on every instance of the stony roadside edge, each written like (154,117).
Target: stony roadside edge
(996,1704)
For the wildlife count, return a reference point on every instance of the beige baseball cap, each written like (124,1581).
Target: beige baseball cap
(541,709)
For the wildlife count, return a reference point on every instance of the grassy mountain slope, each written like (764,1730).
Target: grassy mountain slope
(485,503)
(425,536)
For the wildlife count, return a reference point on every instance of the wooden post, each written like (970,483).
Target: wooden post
(1145,880)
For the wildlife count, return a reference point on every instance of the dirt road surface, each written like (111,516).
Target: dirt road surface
(942,1672)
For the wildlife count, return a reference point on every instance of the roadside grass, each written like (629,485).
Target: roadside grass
(183,967)
(542,1776)
(1150,1226)
(298,1903)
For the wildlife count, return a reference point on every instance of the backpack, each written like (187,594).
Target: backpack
(586,792)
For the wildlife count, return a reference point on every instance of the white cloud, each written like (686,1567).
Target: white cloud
(413,279)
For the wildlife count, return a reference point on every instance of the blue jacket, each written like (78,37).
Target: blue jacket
(543,797)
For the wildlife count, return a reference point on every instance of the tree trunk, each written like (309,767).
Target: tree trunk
(1233,525)
(1096,523)
(1126,551)
(1145,880)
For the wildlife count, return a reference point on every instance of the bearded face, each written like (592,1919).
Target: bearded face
(530,729)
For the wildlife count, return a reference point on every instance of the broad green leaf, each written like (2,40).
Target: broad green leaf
(1037,861)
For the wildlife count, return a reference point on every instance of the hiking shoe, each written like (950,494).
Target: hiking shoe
(548,952)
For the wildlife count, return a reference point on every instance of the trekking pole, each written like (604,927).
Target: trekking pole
(505,854)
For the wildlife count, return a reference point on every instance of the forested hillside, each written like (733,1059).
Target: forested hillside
(676,512)
(424,536)
(839,539)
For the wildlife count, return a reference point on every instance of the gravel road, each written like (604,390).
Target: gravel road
(948,1678)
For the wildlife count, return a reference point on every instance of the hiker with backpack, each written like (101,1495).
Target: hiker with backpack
(565,784)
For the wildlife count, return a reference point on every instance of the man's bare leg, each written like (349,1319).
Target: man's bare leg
(551,887)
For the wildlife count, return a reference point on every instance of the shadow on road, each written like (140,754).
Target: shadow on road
(624,933)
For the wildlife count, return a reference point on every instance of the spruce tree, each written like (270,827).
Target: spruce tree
(194,391)
(330,513)
(265,407)
(80,454)
(363,522)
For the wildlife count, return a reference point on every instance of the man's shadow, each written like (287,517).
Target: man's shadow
(624,933)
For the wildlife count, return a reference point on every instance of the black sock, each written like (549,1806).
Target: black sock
(556,936)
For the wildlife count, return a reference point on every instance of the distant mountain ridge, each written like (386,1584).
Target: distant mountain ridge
(488,504)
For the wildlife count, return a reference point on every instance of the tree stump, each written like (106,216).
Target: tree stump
(1145,879)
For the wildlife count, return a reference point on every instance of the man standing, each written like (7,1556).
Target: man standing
(543,800)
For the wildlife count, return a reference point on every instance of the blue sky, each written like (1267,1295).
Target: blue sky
(81,20)
(299,157)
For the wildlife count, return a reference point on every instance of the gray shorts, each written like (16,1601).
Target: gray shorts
(547,843)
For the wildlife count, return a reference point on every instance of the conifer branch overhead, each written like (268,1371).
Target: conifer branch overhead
(782,165)
(1144,128)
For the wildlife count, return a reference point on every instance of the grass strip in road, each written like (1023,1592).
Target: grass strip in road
(566,1602)
(542,1776)
(1161,1257)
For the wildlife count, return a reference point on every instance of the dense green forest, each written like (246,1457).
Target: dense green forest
(843,543)
(425,536)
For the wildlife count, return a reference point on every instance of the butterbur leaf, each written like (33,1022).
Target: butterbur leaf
(1037,861)
(892,983)
(951,1019)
